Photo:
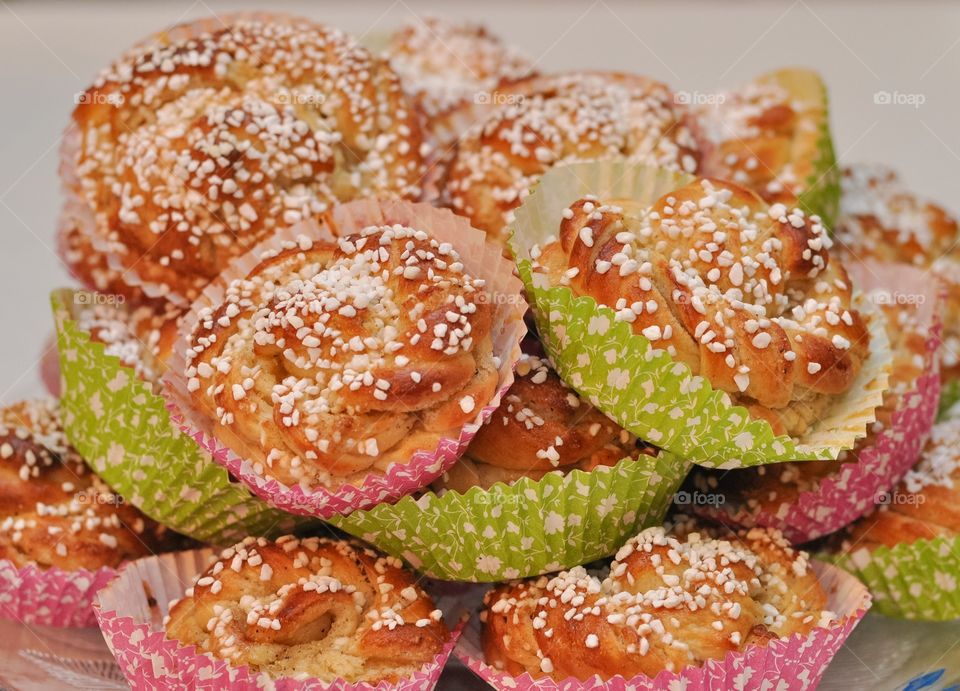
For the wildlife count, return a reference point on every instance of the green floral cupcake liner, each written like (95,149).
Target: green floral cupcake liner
(821,189)
(949,397)
(919,580)
(123,430)
(524,529)
(643,388)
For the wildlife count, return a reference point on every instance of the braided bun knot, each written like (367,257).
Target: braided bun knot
(203,140)
(668,601)
(332,358)
(557,119)
(742,293)
(54,512)
(325,608)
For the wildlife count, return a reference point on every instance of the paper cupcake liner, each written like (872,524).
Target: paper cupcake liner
(644,389)
(130,612)
(123,430)
(843,497)
(482,257)
(821,194)
(52,597)
(527,528)
(50,367)
(797,662)
(918,580)
(949,396)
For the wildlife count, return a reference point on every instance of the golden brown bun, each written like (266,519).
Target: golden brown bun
(194,147)
(91,268)
(772,487)
(551,120)
(444,64)
(926,504)
(331,360)
(53,510)
(743,293)
(328,609)
(880,218)
(671,599)
(542,425)
(764,136)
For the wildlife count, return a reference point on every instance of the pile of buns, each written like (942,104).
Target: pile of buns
(196,172)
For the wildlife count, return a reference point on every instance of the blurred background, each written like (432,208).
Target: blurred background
(893,71)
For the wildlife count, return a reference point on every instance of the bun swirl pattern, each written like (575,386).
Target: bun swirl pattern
(314,607)
(334,359)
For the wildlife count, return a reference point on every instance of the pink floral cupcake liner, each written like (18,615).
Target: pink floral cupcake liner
(50,366)
(480,255)
(130,613)
(52,597)
(787,664)
(856,487)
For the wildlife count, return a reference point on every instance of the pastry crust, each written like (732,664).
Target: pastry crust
(673,597)
(881,218)
(770,488)
(552,120)
(204,139)
(444,64)
(91,268)
(328,609)
(764,136)
(541,426)
(742,293)
(334,359)
(54,512)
